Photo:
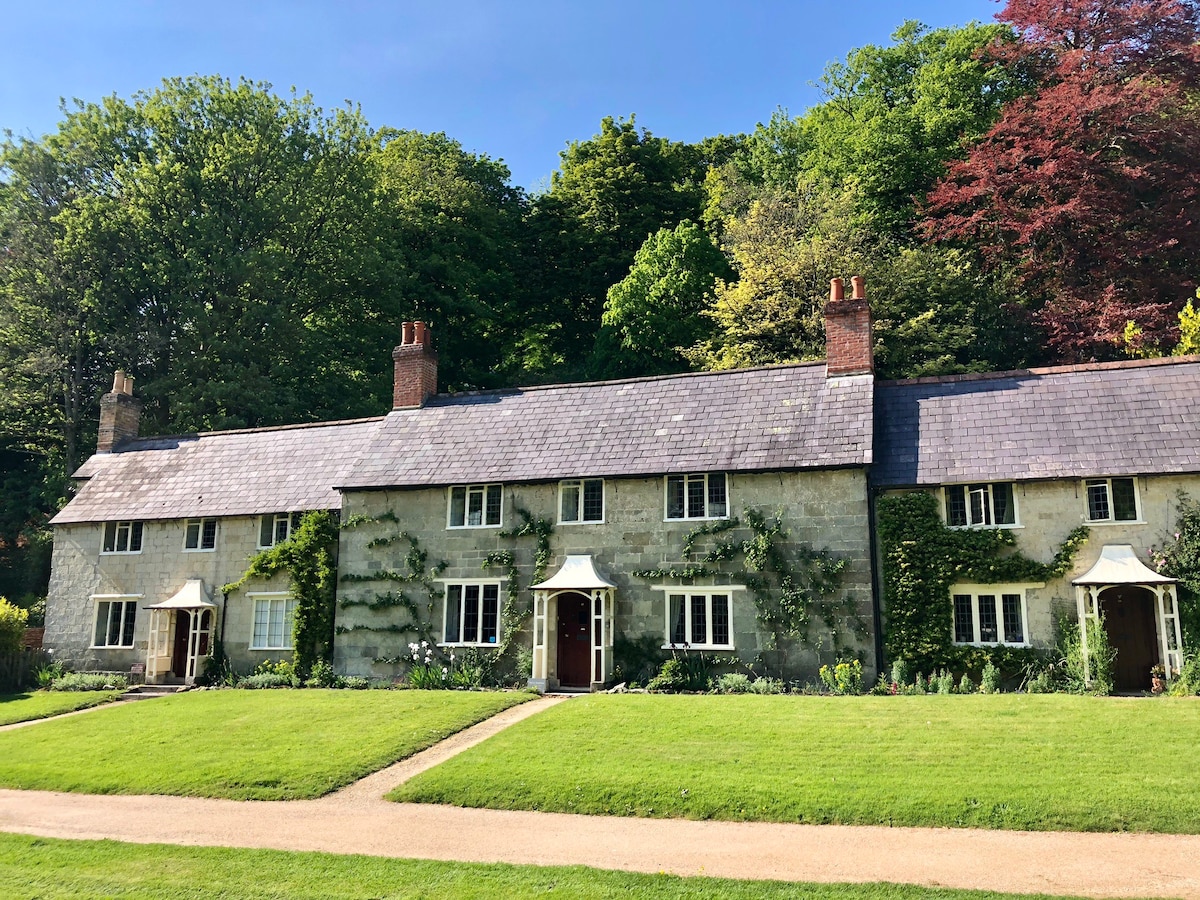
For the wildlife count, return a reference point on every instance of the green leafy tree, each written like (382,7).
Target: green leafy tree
(1189,329)
(655,311)
(12,626)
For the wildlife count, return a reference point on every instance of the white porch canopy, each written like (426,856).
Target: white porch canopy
(1119,565)
(578,574)
(194,601)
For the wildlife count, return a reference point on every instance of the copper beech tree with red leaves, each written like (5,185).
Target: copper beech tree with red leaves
(1089,185)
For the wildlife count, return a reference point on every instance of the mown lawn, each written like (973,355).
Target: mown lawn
(245,745)
(40,704)
(64,870)
(1013,761)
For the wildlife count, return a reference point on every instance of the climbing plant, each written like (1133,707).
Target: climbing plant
(309,556)
(790,583)
(922,558)
(1180,558)
(516,612)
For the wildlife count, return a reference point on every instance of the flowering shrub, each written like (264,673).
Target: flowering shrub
(80,681)
(846,677)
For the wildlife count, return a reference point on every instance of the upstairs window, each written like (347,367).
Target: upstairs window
(980,505)
(581,501)
(122,537)
(275,528)
(697,496)
(989,615)
(1112,500)
(472,614)
(475,506)
(200,534)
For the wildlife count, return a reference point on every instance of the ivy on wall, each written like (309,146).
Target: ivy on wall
(1180,558)
(516,613)
(789,588)
(309,556)
(922,558)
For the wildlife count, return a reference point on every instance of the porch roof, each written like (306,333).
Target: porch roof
(1118,564)
(193,595)
(577,573)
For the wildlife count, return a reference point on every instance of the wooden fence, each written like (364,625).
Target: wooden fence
(17,670)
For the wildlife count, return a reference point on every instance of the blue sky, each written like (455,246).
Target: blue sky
(516,80)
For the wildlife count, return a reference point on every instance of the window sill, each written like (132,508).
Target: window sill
(113,647)
(471,527)
(697,519)
(120,552)
(271,649)
(1102,522)
(1016,527)
(697,647)
(494,645)
(199,549)
(1025,646)
(583,522)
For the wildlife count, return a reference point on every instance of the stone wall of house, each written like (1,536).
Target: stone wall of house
(80,571)
(823,509)
(1047,511)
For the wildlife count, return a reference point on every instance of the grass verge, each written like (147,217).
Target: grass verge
(64,870)
(1046,762)
(40,704)
(244,745)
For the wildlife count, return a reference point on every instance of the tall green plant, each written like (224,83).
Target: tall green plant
(1180,558)
(12,626)
(309,556)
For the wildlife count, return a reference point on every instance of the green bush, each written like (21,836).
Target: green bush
(945,682)
(636,660)
(48,674)
(966,686)
(989,682)
(13,620)
(321,675)
(266,680)
(767,685)
(354,683)
(85,681)
(1187,682)
(688,672)
(284,667)
(734,683)
(846,677)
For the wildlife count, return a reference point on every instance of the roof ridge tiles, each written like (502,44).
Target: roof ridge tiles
(1045,370)
(522,389)
(296,426)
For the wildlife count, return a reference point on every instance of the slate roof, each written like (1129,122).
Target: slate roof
(229,473)
(779,417)
(1129,418)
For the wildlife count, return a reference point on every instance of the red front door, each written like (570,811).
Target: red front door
(574,641)
(1129,620)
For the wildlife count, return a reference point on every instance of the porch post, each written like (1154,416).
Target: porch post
(1170,635)
(540,673)
(1084,600)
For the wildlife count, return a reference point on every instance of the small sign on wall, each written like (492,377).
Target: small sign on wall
(137,669)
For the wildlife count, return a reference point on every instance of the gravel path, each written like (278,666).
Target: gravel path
(357,820)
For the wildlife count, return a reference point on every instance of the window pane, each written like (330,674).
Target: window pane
(275,626)
(101,636)
(266,529)
(261,616)
(1124,502)
(720,619)
(988,632)
(570,501)
(493,504)
(1014,632)
(699,620)
(208,534)
(981,509)
(191,540)
(717,503)
(1002,504)
(110,537)
(471,613)
(956,505)
(1097,495)
(491,613)
(964,625)
(114,624)
(695,497)
(281,528)
(458,507)
(593,500)
(675,508)
(475,506)
(678,633)
(453,613)
(127,629)
(135,537)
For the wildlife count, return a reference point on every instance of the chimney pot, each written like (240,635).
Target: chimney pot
(406,333)
(837,289)
(420,333)
(119,382)
(858,286)
(127,387)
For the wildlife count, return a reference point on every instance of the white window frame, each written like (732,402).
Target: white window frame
(199,525)
(687,479)
(708,592)
(130,602)
(270,598)
(972,488)
(580,486)
(464,583)
(290,521)
(468,490)
(997,592)
(128,528)
(1089,483)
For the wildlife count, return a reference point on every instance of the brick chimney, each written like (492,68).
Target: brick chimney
(848,339)
(415,369)
(120,414)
